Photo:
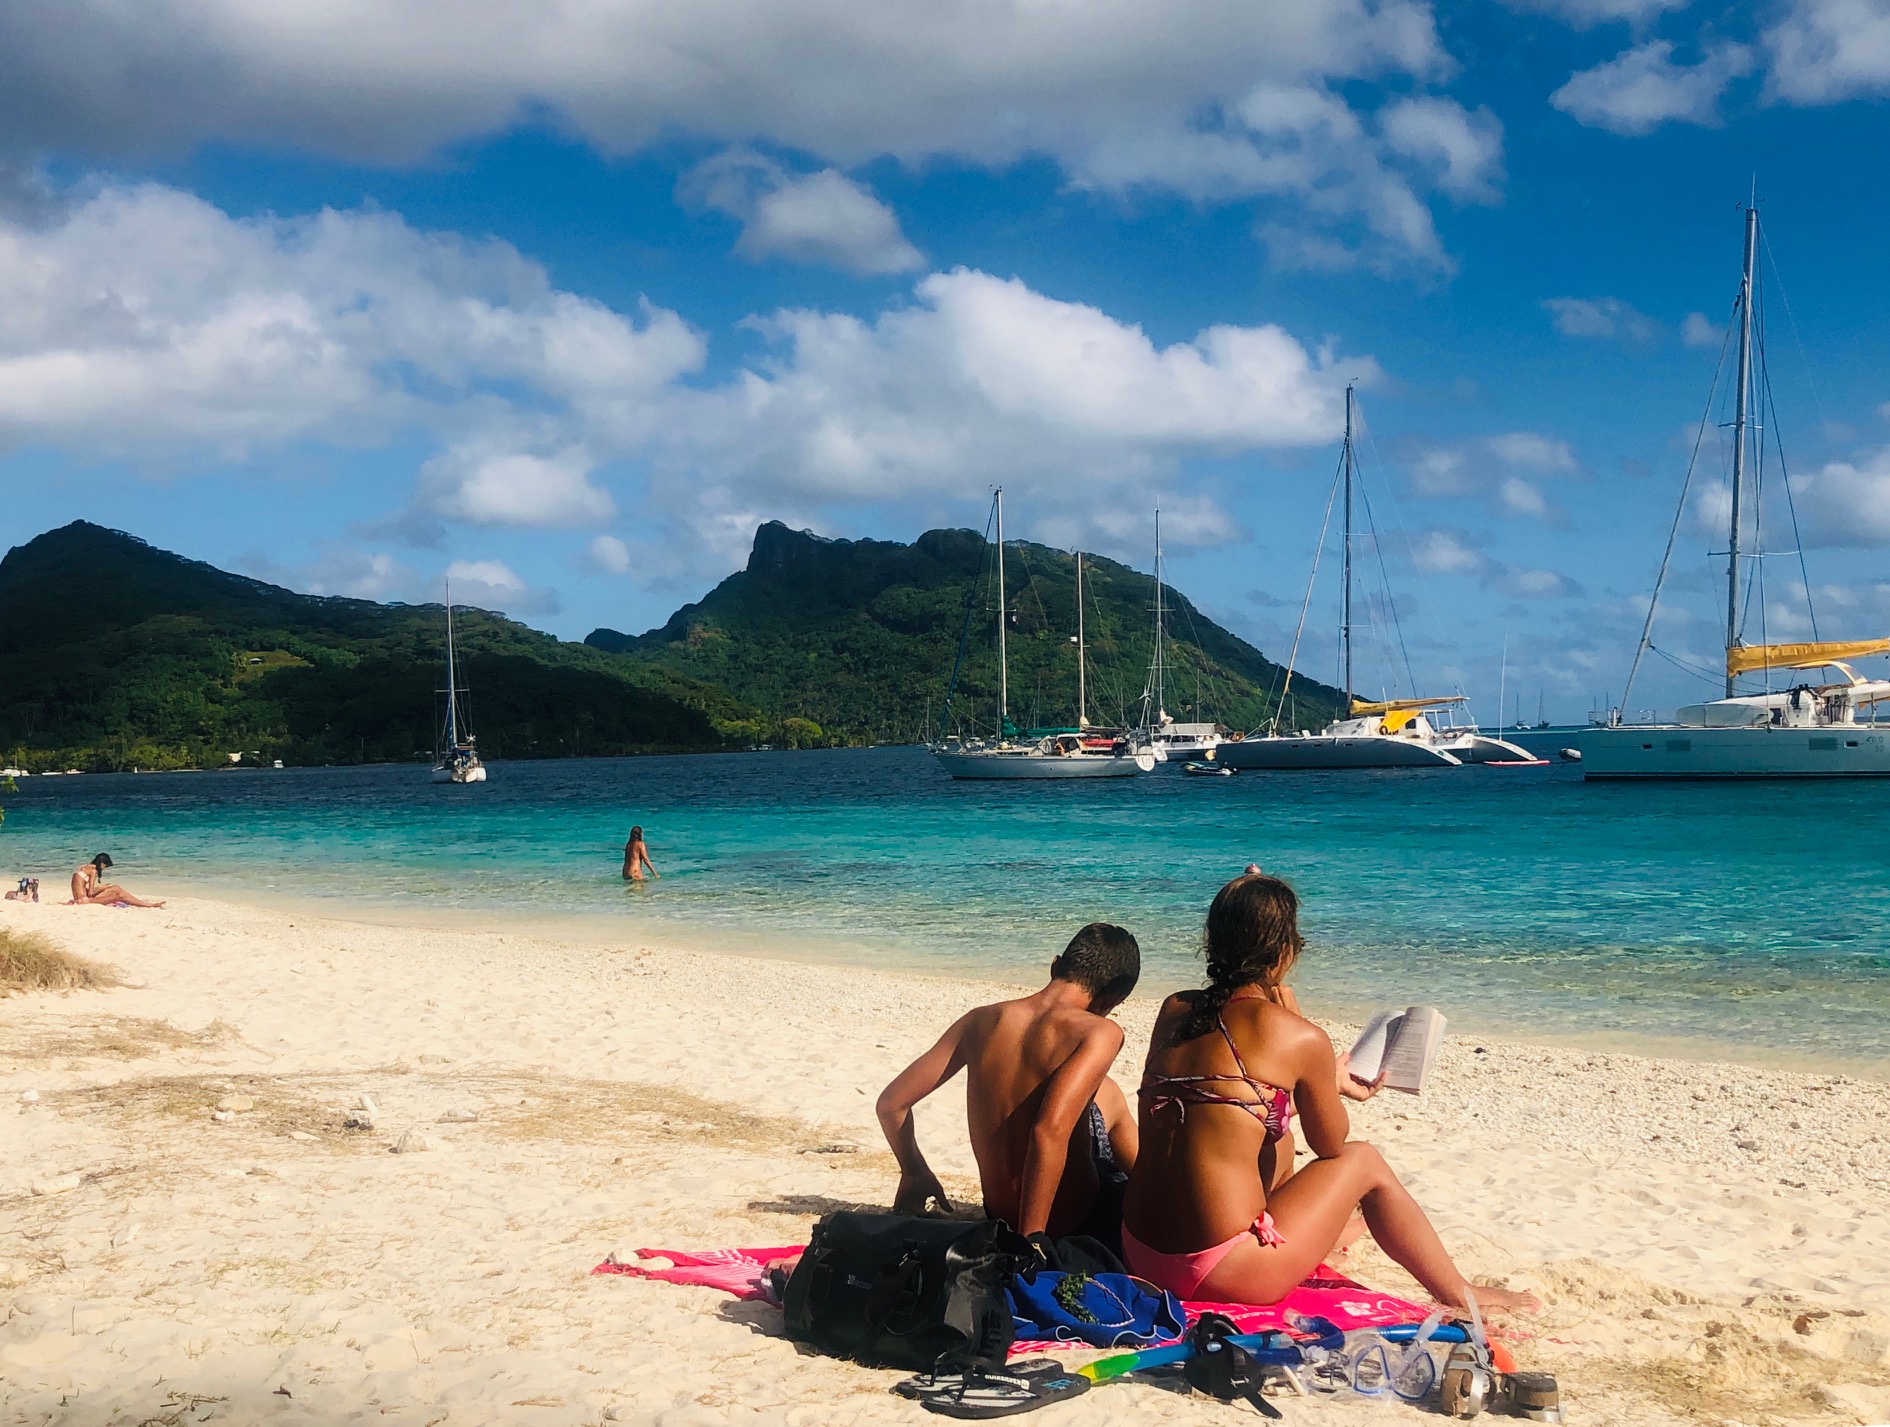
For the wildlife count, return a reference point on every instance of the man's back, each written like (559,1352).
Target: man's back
(1011,1050)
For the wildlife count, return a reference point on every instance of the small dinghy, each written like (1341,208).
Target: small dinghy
(1207,770)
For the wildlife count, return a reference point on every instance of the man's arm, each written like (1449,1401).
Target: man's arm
(1066,1095)
(917,1183)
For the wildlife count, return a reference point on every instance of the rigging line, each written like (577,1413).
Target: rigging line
(1292,660)
(1784,475)
(1798,341)
(1391,603)
(1694,669)
(964,632)
(1679,510)
(1403,528)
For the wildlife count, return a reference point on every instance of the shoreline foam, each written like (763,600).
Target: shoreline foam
(1709,1238)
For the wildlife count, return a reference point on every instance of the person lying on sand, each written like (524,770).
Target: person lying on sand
(1225,1066)
(1051,1131)
(90,889)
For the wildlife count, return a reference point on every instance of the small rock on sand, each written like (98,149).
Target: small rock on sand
(413,1142)
(223,1117)
(366,1103)
(29,1097)
(459,1116)
(303,1135)
(60,1184)
(236,1104)
(360,1120)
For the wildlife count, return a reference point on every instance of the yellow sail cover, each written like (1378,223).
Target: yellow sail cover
(1362,708)
(1743,659)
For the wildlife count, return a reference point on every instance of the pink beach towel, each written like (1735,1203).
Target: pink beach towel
(1326,1294)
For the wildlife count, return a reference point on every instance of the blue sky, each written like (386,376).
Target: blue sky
(569,297)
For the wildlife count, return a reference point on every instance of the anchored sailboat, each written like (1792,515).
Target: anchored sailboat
(1078,754)
(1395,733)
(458,761)
(1805,730)
(1160,731)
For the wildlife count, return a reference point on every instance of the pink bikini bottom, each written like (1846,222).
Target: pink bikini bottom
(1183,1274)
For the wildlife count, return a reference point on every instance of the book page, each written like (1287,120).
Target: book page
(1411,1048)
(1368,1052)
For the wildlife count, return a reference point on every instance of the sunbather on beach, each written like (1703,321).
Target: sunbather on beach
(90,889)
(1226,1065)
(1052,1132)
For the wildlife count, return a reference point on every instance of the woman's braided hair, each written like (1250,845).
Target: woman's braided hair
(1252,935)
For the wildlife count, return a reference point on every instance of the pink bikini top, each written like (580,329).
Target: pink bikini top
(1274,1108)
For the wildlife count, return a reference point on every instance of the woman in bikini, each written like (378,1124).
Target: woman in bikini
(90,889)
(636,858)
(1227,1065)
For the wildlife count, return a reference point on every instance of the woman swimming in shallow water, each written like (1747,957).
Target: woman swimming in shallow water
(636,857)
(1226,1067)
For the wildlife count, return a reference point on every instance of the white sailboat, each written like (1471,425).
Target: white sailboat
(1805,730)
(458,760)
(1393,734)
(1077,754)
(1168,738)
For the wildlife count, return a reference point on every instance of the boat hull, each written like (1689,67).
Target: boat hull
(994,764)
(1482,748)
(474,774)
(1675,752)
(1330,751)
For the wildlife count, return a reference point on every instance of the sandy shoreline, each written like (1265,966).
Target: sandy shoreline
(1710,1239)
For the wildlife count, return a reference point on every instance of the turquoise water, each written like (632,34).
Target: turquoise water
(1736,921)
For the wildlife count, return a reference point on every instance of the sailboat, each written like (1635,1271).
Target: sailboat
(1396,733)
(1081,753)
(459,759)
(1805,730)
(1161,732)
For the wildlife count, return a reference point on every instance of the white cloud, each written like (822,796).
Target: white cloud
(1825,51)
(491,584)
(140,320)
(820,217)
(1463,148)
(1847,502)
(1642,88)
(1698,330)
(1117,93)
(1599,317)
(1582,14)
(610,555)
(483,483)
(337,570)
(1510,467)
(1445,552)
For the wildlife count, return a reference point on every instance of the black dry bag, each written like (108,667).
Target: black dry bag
(919,1294)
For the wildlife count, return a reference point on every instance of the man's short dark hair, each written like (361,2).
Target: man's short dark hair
(1103,959)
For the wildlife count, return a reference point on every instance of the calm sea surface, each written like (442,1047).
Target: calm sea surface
(1744,922)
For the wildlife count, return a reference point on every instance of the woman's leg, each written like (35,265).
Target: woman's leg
(105,896)
(1310,1211)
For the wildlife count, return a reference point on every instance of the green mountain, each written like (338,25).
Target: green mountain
(855,640)
(118,655)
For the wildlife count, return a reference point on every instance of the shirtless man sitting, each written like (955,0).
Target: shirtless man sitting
(1053,1134)
(90,889)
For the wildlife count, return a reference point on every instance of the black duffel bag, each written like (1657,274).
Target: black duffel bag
(920,1294)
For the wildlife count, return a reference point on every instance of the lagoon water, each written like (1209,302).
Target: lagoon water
(1738,922)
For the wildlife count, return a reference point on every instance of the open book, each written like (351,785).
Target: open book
(1401,1044)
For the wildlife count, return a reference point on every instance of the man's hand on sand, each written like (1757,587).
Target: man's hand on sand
(916,1191)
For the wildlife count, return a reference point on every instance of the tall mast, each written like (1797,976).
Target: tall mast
(452,690)
(1739,435)
(1004,668)
(1082,687)
(1345,608)
(1161,693)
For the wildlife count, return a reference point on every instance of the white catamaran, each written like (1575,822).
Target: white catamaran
(458,761)
(1083,753)
(1393,734)
(1805,730)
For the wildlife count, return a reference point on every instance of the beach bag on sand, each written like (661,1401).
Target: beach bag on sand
(919,1294)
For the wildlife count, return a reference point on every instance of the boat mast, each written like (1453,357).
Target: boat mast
(452,690)
(1739,435)
(1082,689)
(1004,668)
(1345,609)
(1161,693)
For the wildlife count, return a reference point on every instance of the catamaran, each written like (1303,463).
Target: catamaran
(1168,738)
(1395,733)
(1083,752)
(1804,730)
(458,760)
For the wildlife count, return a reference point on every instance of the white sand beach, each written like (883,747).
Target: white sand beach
(1711,1241)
